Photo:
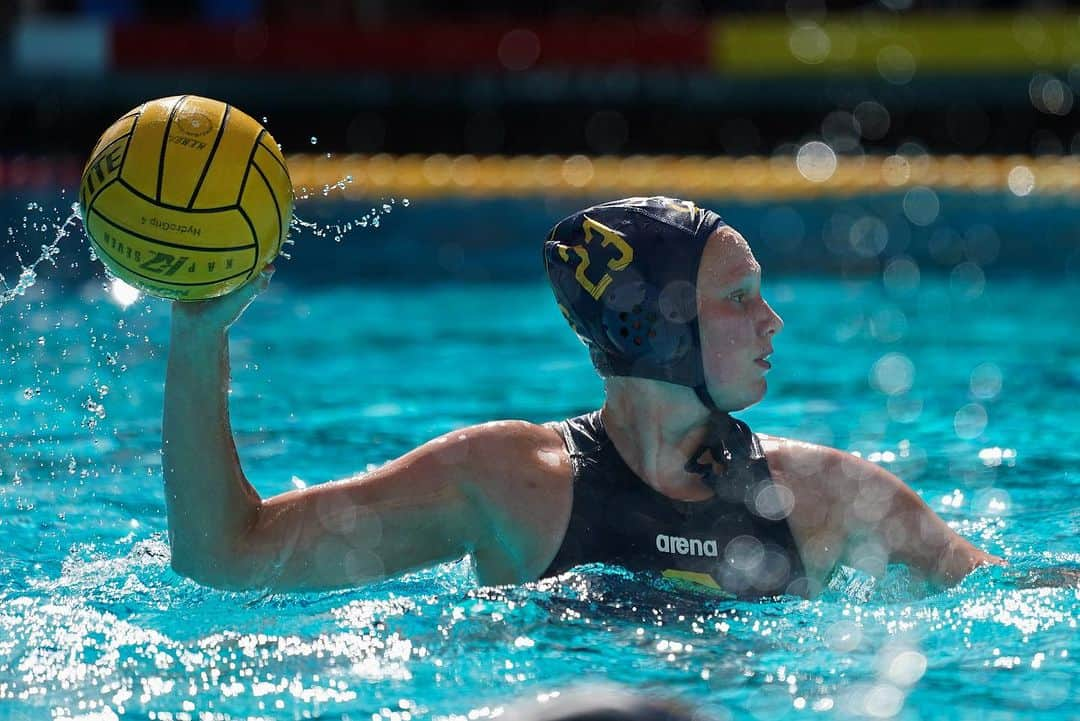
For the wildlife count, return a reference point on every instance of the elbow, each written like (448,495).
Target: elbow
(213,570)
(194,571)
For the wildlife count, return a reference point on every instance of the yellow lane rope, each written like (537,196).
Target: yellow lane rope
(897,46)
(364,176)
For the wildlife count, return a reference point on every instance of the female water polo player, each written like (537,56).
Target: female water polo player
(667,298)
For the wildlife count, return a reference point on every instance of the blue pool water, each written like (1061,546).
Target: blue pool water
(962,383)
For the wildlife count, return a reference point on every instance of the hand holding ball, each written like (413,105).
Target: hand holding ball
(186,198)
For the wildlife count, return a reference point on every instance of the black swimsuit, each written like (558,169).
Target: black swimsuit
(736,542)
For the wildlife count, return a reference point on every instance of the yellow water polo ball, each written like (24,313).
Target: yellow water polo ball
(186,198)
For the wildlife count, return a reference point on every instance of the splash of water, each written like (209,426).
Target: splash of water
(339,230)
(28,274)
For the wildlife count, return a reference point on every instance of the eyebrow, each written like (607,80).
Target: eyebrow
(751,273)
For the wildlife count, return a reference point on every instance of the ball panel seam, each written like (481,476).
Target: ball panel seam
(255,237)
(210,157)
(135,191)
(247,170)
(95,152)
(178,246)
(163,284)
(165,144)
(114,141)
(90,206)
(275,157)
(277,208)
(90,165)
(123,156)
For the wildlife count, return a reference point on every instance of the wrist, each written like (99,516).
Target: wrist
(189,322)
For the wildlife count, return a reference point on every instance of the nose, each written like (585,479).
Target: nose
(772,323)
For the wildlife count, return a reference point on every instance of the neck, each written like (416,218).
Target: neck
(656,427)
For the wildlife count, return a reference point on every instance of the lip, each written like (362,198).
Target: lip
(761,360)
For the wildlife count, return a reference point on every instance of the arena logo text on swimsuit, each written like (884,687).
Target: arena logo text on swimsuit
(686,546)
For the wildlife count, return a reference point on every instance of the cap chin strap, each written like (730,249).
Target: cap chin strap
(717,428)
(702,394)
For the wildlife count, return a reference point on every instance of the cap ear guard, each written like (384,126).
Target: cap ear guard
(637,328)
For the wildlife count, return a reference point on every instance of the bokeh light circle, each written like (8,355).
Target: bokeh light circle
(893,373)
(816,161)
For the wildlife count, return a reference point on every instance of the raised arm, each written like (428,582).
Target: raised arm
(210,503)
(499,491)
(849,510)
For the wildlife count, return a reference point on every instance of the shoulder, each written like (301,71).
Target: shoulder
(795,460)
(807,470)
(500,447)
(520,478)
(828,470)
(500,459)
(825,476)
(823,482)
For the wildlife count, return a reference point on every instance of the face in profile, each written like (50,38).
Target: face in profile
(737,325)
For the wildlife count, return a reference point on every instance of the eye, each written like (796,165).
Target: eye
(738,296)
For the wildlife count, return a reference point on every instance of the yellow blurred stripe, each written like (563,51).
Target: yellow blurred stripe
(876,42)
(420,176)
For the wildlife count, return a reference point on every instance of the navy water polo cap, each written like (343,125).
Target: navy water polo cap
(624,274)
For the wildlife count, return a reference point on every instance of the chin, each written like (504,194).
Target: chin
(738,401)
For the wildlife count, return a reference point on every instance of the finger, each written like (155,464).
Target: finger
(232,304)
(255,286)
(227,308)
(263,281)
